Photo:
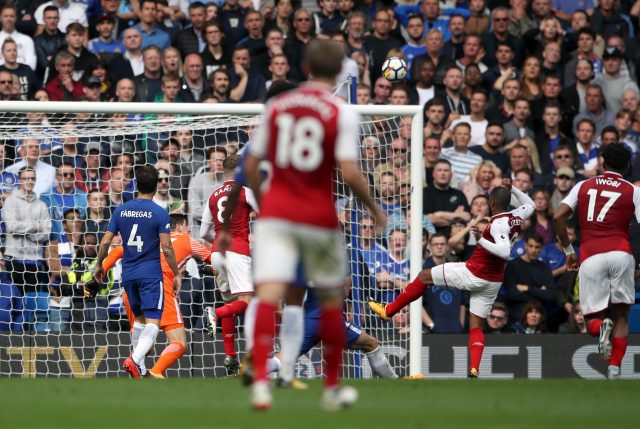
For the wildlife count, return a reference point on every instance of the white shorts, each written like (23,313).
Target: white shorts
(456,275)
(279,246)
(606,277)
(234,272)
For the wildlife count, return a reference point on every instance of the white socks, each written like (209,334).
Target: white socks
(380,364)
(291,337)
(273,365)
(249,322)
(145,342)
(135,336)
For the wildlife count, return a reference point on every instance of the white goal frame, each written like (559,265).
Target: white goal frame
(417,165)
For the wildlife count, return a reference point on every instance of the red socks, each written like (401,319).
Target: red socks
(593,327)
(333,336)
(476,347)
(618,349)
(229,336)
(263,334)
(234,308)
(411,292)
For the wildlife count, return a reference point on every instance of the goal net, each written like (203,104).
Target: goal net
(84,163)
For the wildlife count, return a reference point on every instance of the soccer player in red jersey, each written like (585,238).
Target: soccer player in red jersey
(481,275)
(605,205)
(234,267)
(306,134)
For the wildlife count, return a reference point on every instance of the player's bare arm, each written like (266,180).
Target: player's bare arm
(560,224)
(353,177)
(103,251)
(170,256)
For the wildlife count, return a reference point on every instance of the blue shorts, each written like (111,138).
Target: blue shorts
(311,329)
(146,297)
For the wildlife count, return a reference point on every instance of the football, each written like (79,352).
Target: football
(394,69)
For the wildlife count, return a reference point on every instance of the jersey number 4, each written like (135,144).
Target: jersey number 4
(299,142)
(135,240)
(612,197)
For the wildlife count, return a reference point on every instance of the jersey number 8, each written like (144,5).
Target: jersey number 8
(299,142)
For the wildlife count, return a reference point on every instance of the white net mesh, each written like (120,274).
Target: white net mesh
(47,330)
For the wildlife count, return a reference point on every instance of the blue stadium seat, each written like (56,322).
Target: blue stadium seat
(36,308)
(634,318)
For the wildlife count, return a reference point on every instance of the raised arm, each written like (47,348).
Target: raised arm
(501,246)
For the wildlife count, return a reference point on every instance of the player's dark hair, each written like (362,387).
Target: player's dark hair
(500,197)
(231,162)
(535,236)
(278,87)
(147,179)
(616,157)
(324,58)
(176,219)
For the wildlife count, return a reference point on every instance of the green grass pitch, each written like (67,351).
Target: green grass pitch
(222,404)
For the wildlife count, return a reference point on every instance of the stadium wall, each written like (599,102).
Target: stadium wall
(443,357)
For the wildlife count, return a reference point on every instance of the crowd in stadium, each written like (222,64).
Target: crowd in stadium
(526,90)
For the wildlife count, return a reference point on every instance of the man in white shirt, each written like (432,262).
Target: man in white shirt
(476,119)
(69,13)
(26,50)
(45,173)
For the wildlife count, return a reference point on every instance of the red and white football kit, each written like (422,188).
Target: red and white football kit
(483,273)
(605,205)
(235,273)
(305,134)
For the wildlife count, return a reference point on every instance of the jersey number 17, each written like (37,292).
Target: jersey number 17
(593,195)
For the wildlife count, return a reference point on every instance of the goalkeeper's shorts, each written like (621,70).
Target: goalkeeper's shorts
(171,315)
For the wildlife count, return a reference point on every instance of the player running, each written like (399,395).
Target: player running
(234,267)
(144,227)
(306,134)
(481,275)
(605,205)
(171,322)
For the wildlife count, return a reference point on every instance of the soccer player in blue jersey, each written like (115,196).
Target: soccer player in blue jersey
(144,228)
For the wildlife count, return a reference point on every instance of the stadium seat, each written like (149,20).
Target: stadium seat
(36,307)
(634,319)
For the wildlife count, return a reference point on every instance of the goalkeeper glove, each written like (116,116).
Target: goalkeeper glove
(91,288)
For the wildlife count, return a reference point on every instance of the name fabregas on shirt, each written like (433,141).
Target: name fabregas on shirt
(136,213)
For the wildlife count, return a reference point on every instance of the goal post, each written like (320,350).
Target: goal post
(154,124)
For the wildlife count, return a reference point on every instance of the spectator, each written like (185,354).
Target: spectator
(70,12)
(117,194)
(83,59)
(149,84)
(517,128)
(232,17)
(455,102)
(148,28)
(274,44)
(478,22)
(278,68)
(46,173)
(125,90)
(497,320)
(105,44)
(190,160)
(246,85)
(548,140)
(472,80)
(64,196)
(110,8)
(587,147)
(479,206)
(171,61)
(388,193)
(129,63)
(215,53)
(282,17)
(298,40)
(434,17)
(431,156)
(586,41)
(444,308)
(476,118)
(527,278)
(356,26)
(500,33)
(480,180)
(380,42)
(563,156)
(630,100)
(90,174)
(328,19)
(461,158)
(435,113)
(434,42)
(415,43)
(424,84)
(28,226)
(97,214)
(203,184)
(190,40)
(381,91)
(503,111)
(552,60)
(491,150)
(503,69)
(442,203)
(595,110)
(519,157)
(576,323)
(564,181)
(531,79)
(255,40)
(608,19)
(169,160)
(220,85)
(26,49)
(533,319)
(542,218)
(453,47)
(519,21)
(163,198)
(471,52)
(50,41)
(612,81)
(194,86)
(28,82)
